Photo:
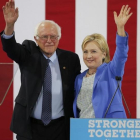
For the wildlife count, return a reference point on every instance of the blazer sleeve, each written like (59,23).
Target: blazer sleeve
(120,57)
(75,110)
(77,66)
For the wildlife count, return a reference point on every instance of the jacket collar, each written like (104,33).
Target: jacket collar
(97,76)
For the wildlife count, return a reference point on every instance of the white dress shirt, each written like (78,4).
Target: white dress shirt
(57,97)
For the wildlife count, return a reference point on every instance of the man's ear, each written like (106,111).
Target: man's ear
(36,40)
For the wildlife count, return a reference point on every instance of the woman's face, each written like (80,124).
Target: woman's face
(92,55)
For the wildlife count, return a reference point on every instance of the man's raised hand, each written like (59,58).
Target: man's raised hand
(10,14)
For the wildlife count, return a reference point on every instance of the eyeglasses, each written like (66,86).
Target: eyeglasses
(45,37)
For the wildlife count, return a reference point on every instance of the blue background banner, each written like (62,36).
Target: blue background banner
(104,129)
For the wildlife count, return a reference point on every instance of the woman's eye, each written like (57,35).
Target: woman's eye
(85,51)
(93,51)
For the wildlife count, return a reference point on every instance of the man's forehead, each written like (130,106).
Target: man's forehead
(47,27)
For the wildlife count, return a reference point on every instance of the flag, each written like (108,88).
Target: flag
(77,19)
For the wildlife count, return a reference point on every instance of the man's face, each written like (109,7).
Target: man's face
(47,38)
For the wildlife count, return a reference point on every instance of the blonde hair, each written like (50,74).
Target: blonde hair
(102,44)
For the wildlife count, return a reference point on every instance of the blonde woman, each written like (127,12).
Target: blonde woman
(95,87)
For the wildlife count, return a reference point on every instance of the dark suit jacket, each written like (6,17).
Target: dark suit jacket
(32,65)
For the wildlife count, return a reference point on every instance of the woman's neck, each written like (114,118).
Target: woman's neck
(91,72)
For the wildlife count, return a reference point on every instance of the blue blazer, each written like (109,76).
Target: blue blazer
(105,84)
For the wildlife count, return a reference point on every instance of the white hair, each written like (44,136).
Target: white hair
(48,21)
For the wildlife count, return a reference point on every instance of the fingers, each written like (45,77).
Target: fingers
(3,8)
(16,11)
(9,7)
(130,15)
(115,15)
(126,11)
(122,9)
(7,4)
(10,4)
(13,4)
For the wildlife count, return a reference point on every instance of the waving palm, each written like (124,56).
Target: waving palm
(124,15)
(10,13)
(121,19)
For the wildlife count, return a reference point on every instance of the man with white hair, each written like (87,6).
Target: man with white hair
(43,106)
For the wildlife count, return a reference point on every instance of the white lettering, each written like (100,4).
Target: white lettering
(114,124)
(114,133)
(130,133)
(130,124)
(107,133)
(122,133)
(137,133)
(110,132)
(91,131)
(98,123)
(99,133)
(122,124)
(137,124)
(91,124)
(106,124)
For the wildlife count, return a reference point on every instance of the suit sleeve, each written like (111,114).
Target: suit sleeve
(17,52)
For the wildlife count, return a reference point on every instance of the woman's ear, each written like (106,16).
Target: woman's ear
(104,55)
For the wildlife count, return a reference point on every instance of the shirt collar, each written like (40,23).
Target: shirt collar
(52,58)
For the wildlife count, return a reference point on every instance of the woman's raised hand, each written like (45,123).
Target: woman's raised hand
(122,18)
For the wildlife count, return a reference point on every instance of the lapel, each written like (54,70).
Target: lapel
(80,80)
(63,64)
(98,74)
(97,77)
(78,86)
